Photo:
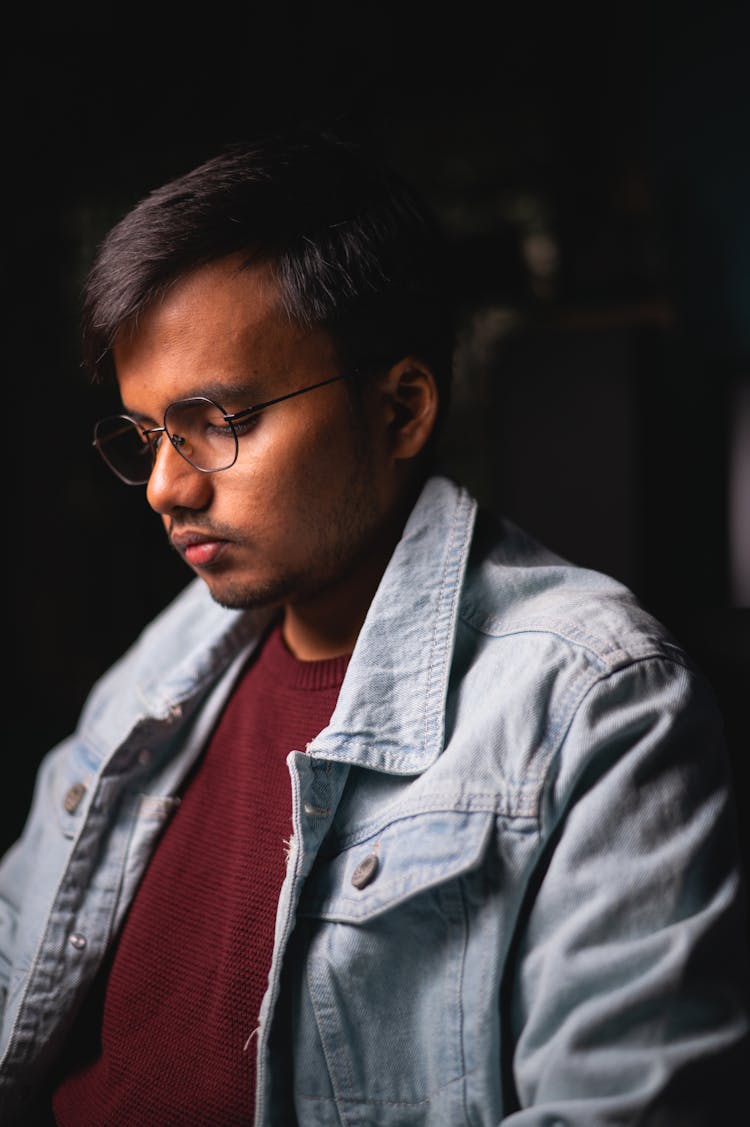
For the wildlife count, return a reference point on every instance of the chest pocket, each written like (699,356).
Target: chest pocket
(377,1002)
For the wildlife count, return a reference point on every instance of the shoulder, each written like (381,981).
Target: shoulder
(516,586)
(560,660)
(189,626)
(184,649)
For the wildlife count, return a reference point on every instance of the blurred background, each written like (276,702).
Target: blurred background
(590,166)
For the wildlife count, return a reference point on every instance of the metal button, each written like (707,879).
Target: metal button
(73,797)
(78,941)
(316,811)
(365,871)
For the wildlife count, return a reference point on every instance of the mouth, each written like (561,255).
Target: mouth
(199,549)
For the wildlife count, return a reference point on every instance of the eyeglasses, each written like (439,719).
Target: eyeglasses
(199,429)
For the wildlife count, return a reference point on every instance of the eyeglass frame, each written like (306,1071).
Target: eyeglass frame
(232,418)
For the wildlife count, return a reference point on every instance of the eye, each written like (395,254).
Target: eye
(213,428)
(244,426)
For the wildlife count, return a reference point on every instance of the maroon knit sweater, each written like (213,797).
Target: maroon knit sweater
(162,1040)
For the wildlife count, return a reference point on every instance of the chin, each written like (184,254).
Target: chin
(236,595)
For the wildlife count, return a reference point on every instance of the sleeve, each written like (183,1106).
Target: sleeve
(25,869)
(630,997)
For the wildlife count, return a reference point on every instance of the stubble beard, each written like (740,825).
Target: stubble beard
(351,533)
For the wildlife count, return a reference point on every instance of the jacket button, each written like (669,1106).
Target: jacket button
(73,797)
(78,941)
(365,871)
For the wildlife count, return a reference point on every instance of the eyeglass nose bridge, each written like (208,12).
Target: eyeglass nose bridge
(177,440)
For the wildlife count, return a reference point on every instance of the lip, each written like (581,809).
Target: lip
(199,549)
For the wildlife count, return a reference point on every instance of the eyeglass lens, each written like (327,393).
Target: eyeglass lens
(125,449)
(195,427)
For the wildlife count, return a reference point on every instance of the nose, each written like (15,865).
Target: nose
(174,483)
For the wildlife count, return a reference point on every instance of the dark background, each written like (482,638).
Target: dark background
(590,165)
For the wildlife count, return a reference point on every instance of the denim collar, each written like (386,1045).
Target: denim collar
(390,712)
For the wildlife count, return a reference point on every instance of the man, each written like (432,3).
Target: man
(393,817)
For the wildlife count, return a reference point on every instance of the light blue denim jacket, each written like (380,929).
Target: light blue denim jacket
(513,890)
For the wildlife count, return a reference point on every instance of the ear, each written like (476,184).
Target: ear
(411,400)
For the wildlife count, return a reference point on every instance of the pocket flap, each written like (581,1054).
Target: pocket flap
(407,857)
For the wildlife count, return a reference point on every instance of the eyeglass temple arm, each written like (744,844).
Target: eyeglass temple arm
(270,402)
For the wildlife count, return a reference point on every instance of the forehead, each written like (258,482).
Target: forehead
(221,326)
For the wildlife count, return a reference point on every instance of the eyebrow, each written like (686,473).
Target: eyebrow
(218,391)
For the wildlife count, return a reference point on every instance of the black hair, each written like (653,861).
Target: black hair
(351,245)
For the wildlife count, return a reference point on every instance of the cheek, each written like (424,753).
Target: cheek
(260,502)
(310,460)
(296,475)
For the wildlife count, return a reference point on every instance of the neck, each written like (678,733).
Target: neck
(328,623)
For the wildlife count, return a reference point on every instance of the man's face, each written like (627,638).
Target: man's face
(308,504)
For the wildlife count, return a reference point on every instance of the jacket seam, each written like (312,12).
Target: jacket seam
(575,711)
